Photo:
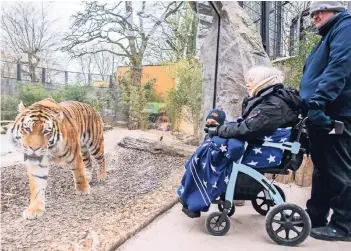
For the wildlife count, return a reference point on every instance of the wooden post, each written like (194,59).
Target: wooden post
(43,75)
(66,77)
(19,72)
(110,82)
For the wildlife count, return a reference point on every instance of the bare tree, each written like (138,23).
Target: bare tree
(101,25)
(115,25)
(104,63)
(26,31)
(177,39)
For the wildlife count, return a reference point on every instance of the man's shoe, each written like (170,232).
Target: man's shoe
(329,233)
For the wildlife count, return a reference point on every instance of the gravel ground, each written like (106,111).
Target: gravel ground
(139,186)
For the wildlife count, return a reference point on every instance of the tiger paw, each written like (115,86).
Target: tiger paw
(33,212)
(83,189)
(101,176)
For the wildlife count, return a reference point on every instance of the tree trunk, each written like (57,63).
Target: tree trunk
(157,147)
(31,69)
(134,118)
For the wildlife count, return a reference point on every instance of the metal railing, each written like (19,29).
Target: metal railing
(23,72)
(280,23)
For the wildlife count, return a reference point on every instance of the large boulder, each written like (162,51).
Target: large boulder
(240,48)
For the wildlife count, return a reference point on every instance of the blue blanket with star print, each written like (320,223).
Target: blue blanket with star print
(208,170)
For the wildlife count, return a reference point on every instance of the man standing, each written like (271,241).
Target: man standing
(325,89)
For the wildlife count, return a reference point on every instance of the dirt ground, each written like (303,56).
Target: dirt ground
(139,186)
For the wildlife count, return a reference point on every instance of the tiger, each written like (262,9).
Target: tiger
(65,133)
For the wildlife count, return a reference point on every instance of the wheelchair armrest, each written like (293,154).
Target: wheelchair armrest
(293,147)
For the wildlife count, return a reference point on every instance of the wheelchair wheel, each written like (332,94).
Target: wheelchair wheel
(262,205)
(214,227)
(231,210)
(288,224)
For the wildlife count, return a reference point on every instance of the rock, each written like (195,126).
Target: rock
(88,242)
(164,127)
(191,140)
(107,127)
(240,48)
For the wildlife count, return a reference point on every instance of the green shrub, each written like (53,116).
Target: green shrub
(184,100)
(31,93)
(150,91)
(70,92)
(9,106)
(134,99)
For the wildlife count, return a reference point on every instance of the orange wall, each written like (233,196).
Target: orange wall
(162,74)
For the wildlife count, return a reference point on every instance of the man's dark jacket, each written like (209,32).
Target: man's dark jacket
(326,80)
(272,108)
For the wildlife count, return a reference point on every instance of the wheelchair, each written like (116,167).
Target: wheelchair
(286,224)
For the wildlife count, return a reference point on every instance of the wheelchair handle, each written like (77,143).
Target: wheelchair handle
(336,128)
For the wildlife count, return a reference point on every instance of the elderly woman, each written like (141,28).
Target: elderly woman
(269,106)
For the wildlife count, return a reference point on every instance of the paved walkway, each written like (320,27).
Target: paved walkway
(174,231)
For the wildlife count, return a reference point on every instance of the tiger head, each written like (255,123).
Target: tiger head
(36,129)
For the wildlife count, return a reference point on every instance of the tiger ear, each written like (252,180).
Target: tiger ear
(21,107)
(60,116)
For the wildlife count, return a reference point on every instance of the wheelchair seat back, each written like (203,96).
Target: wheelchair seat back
(271,159)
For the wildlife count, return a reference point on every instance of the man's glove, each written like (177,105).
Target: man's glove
(211,131)
(318,118)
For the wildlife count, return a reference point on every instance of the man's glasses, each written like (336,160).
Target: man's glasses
(317,13)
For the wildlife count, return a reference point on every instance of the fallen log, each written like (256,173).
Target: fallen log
(157,147)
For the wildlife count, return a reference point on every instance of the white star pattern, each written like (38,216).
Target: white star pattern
(283,140)
(203,165)
(213,168)
(196,159)
(223,148)
(205,183)
(252,163)
(268,138)
(226,180)
(257,150)
(214,185)
(182,190)
(271,158)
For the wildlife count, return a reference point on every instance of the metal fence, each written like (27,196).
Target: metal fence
(281,24)
(23,72)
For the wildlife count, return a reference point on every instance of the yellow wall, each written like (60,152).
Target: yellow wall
(162,75)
